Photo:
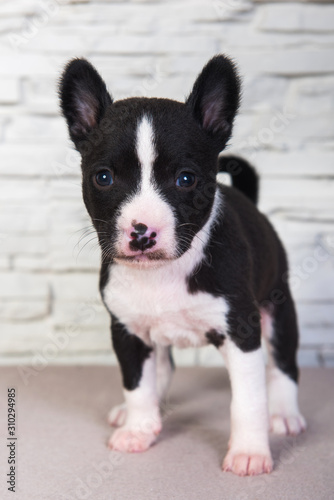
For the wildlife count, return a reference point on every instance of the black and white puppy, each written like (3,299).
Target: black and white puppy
(185,261)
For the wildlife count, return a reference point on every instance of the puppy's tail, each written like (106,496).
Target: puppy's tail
(244,176)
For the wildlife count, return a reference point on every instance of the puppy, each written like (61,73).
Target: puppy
(185,261)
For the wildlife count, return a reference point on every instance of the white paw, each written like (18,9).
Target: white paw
(287,424)
(117,415)
(246,464)
(129,440)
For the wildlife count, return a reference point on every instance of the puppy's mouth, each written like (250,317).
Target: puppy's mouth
(144,259)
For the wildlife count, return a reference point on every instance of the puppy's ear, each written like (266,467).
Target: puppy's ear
(214,99)
(83,97)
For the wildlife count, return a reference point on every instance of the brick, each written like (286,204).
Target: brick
(312,163)
(20,7)
(32,263)
(233,37)
(311,96)
(297,63)
(245,126)
(149,45)
(84,341)
(24,245)
(302,229)
(9,24)
(36,128)
(36,159)
(296,18)
(115,66)
(65,44)
(269,203)
(324,335)
(263,93)
(65,189)
(154,84)
(26,220)
(69,218)
(40,96)
(316,315)
(19,310)
(16,286)
(26,334)
(18,194)
(53,345)
(5,262)
(65,162)
(297,127)
(298,193)
(74,249)
(9,91)
(188,12)
(90,315)
(79,288)
(274,132)
(87,260)
(311,282)
(170,87)
(16,63)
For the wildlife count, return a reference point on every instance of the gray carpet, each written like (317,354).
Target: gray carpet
(62,434)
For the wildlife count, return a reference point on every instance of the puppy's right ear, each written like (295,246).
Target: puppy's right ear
(83,98)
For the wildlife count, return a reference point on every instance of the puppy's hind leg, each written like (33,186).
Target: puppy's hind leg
(248,452)
(281,334)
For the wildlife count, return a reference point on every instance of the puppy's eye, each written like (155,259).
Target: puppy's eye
(186,180)
(104,178)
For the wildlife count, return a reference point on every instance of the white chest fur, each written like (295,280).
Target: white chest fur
(155,305)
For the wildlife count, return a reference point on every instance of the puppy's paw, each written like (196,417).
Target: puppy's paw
(130,440)
(291,425)
(117,415)
(244,464)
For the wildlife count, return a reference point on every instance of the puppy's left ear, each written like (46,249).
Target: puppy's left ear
(215,97)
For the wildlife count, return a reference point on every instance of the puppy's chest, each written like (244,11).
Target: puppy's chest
(156,306)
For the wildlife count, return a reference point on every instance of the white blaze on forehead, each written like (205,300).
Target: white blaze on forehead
(148,205)
(145,150)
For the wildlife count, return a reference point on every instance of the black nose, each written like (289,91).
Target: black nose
(139,241)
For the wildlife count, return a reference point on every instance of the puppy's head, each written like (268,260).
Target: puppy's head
(149,165)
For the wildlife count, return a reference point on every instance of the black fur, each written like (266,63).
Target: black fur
(215,338)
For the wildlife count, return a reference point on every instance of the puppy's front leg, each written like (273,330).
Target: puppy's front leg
(142,417)
(249,452)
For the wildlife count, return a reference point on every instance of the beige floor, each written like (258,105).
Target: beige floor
(62,434)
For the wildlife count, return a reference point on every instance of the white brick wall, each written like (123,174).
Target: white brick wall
(50,310)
